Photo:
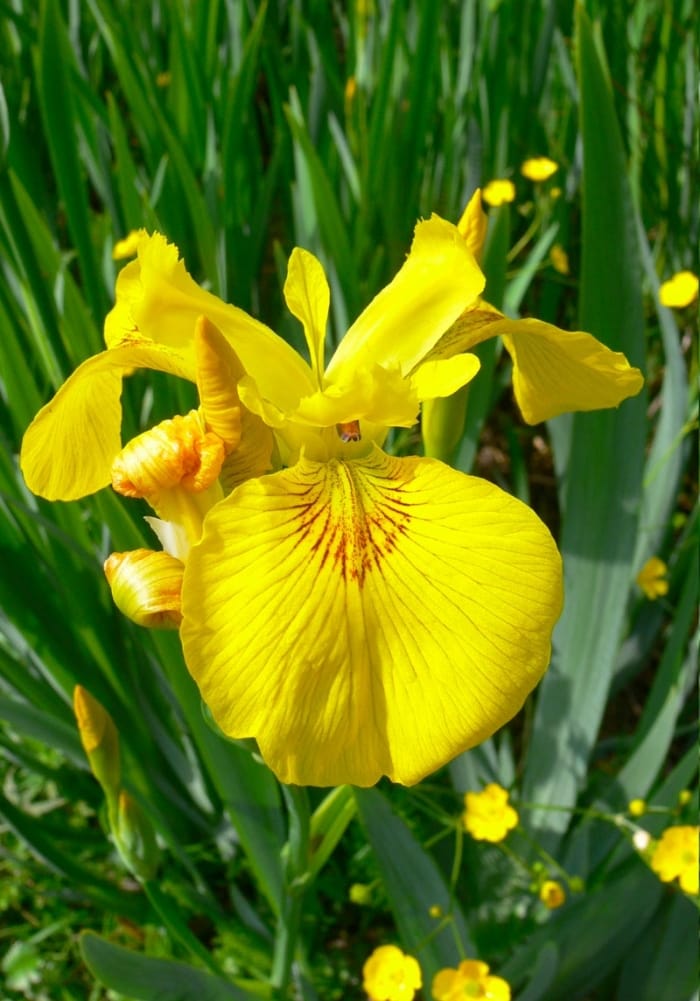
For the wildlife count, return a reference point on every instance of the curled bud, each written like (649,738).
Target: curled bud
(176,453)
(146,587)
(135,838)
(99,738)
(552,894)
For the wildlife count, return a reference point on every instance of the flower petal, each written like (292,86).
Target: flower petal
(474,224)
(439,279)
(556,371)
(159,301)
(308,297)
(68,449)
(444,376)
(368,617)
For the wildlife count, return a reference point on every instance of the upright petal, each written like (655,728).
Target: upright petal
(158,300)
(439,279)
(68,449)
(308,298)
(370,617)
(474,224)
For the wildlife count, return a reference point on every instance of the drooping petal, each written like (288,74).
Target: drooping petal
(554,371)
(439,279)
(308,297)
(557,371)
(68,449)
(158,300)
(368,617)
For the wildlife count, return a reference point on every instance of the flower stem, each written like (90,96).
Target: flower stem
(296,881)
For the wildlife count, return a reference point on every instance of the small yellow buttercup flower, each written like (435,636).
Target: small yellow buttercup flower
(539,168)
(637,807)
(488,815)
(498,192)
(679,291)
(128,246)
(471,979)
(676,856)
(652,578)
(552,894)
(391,975)
(559,259)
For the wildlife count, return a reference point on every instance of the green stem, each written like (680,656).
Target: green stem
(296,880)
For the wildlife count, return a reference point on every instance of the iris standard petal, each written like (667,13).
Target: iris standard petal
(370,617)
(158,300)
(68,449)
(438,281)
(308,297)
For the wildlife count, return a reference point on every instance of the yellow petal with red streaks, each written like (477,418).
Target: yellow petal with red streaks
(370,617)
(68,449)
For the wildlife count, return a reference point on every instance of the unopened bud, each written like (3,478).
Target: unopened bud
(146,587)
(135,838)
(176,453)
(99,738)
(552,894)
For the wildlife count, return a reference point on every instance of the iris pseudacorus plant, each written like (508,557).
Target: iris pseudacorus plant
(356,613)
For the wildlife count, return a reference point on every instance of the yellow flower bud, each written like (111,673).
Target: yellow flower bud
(361,893)
(560,259)
(552,894)
(679,291)
(135,838)
(146,587)
(637,808)
(99,738)
(176,453)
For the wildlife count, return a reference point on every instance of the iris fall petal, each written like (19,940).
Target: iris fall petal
(369,617)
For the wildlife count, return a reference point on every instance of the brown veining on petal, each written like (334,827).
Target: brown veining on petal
(351,521)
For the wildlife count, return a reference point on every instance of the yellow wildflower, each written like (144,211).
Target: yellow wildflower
(471,979)
(637,808)
(552,894)
(488,815)
(498,192)
(539,168)
(680,290)
(164,78)
(560,259)
(380,583)
(435,911)
(391,975)
(652,578)
(676,857)
(129,245)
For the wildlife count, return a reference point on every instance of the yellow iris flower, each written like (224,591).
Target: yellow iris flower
(358,614)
